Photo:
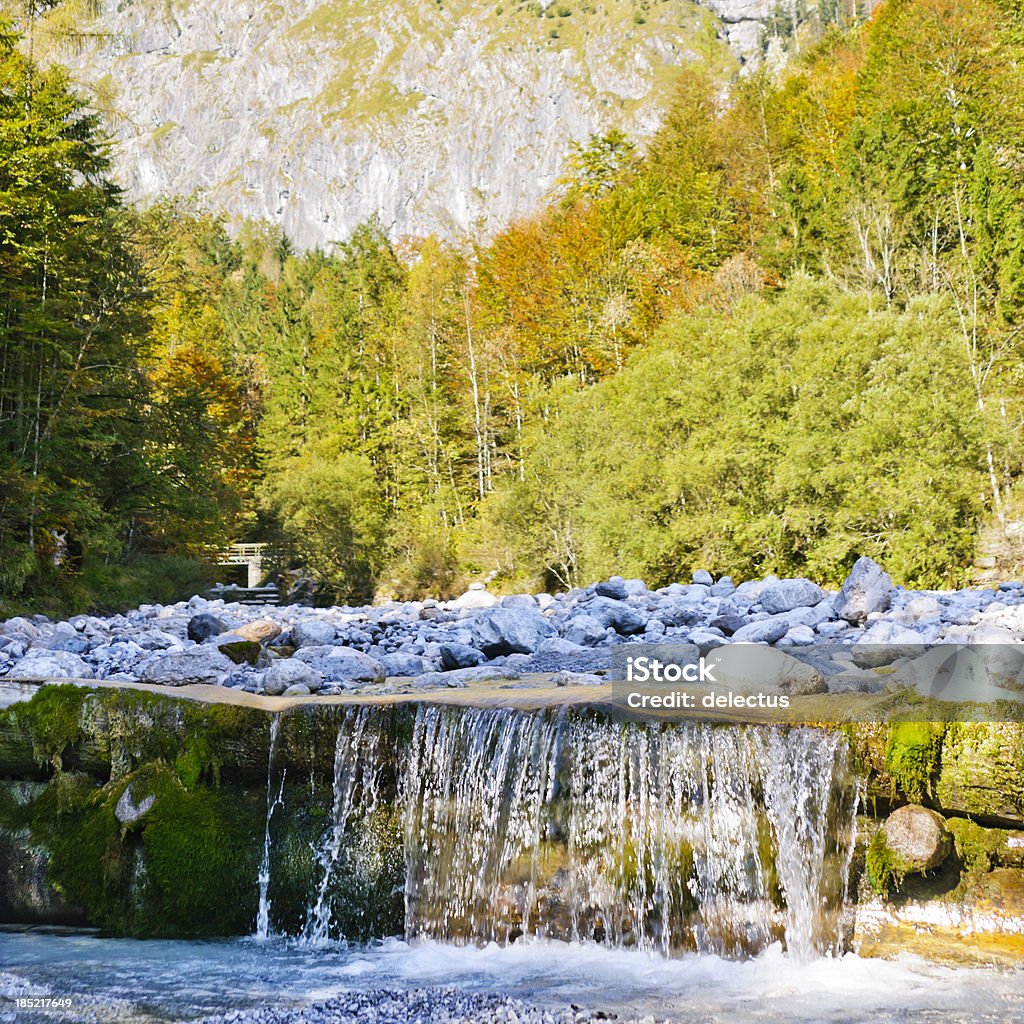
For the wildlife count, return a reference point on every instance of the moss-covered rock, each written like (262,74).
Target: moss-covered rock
(982,770)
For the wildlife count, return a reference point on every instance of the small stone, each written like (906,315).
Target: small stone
(297,690)
(289,672)
(129,808)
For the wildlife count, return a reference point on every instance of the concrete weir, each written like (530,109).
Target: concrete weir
(486,813)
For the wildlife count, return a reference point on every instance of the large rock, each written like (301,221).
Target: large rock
(509,631)
(763,631)
(39,664)
(313,633)
(400,663)
(455,656)
(202,627)
(476,597)
(290,672)
(918,837)
(755,666)
(614,588)
(261,631)
(786,595)
(622,617)
(196,665)
(885,642)
(867,589)
(343,664)
(584,631)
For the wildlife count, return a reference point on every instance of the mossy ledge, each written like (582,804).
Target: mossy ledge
(188,863)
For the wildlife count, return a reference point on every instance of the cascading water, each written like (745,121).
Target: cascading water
(665,838)
(662,837)
(263,911)
(357,770)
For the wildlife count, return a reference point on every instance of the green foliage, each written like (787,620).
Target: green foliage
(788,438)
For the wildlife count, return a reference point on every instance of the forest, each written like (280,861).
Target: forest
(783,334)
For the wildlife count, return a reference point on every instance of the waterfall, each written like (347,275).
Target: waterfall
(660,837)
(663,837)
(263,911)
(357,769)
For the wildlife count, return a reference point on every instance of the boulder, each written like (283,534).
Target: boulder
(296,690)
(202,627)
(509,631)
(615,588)
(196,665)
(290,672)
(41,664)
(622,617)
(786,595)
(241,652)
(867,589)
(918,837)
(763,631)
(454,656)
(400,663)
(261,631)
(702,576)
(885,642)
(313,633)
(475,597)
(756,666)
(342,664)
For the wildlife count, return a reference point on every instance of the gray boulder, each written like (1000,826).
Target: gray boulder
(455,656)
(867,589)
(290,672)
(884,642)
(615,588)
(584,631)
(343,664)
(756,666)
(764,631)
(786,595)
(196,665)
(702,576)
(509,631)
(312,633)
(622,617)
(202,627)
(40,664)
(401,664)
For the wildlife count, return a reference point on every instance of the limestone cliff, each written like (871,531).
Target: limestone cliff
(446,116)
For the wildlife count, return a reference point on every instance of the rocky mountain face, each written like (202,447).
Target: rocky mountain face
(445,116)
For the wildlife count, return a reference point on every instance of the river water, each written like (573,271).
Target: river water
(125,981)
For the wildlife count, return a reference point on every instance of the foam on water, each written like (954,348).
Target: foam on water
(134,982)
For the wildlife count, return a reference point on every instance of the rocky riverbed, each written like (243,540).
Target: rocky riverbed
(397,1006)
(427,645)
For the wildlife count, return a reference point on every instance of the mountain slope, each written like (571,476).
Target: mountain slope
(447,116)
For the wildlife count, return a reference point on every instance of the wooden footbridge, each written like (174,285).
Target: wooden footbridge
(251,556)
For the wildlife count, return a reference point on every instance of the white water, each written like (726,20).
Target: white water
(357,769)
(263,910)
(666,839)
(123,981)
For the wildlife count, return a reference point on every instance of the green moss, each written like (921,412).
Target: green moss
(886,869)
(53,720)
(979,849)
(912,757)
